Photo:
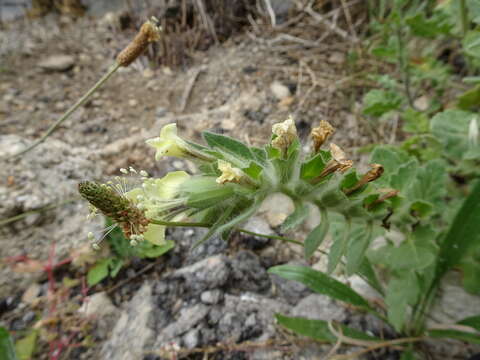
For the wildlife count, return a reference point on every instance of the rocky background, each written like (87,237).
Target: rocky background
(214,302)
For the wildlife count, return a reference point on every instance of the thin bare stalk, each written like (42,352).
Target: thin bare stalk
(70,111)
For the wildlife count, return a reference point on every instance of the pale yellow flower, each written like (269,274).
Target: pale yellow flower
(155,196)
(229,173)
(168,143)
(286,133)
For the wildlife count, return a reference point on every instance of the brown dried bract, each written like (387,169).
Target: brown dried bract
(321,133)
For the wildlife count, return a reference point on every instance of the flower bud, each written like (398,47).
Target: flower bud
(286,133)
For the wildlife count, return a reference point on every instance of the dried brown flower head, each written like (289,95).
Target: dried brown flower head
(149,32)
(321,133)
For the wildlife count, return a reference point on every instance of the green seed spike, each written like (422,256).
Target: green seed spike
(113,205)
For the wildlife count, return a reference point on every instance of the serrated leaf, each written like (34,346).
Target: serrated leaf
(391,158)
(415,121)
(317,235)
(318,329)
(320,283)
(455,334)
(417,252)
(430,28)
(451,128)
(296,218)
(378,102)
(233,150)
(471,43)
(25,347)
(99,272)
(401,291)
(464,233)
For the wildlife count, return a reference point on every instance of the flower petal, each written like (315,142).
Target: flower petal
(155,234)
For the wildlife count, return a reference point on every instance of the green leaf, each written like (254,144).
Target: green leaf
(215,227)
(340,232)
(149,250)
(455,334)
(317,235)
(429,28)
(98,272)
(25,347)
(318,329)
(472,321)
(469,100)
(408,355)
(209,197)
(471,43)
(464,233)
(390,157)
(253,170)
(471,275)
(451,128)
(415,121)
(368,273)
(378,102)
(260,154)
(7,351)
(233,150)
(320,283)
(360,237)
(313,167)
(404,257)
(402,291)
(296,218)
(115,266)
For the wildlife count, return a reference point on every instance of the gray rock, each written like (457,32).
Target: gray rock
(453,303)
(211,296)
(257,225)
(100,307)
(248,272)
(319,307)
(191,339)
(209,273)
(59,62)
(47,175)
(99,304)
(189,318)
(131,332)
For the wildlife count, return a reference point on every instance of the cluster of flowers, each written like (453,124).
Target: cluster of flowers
(229,176)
